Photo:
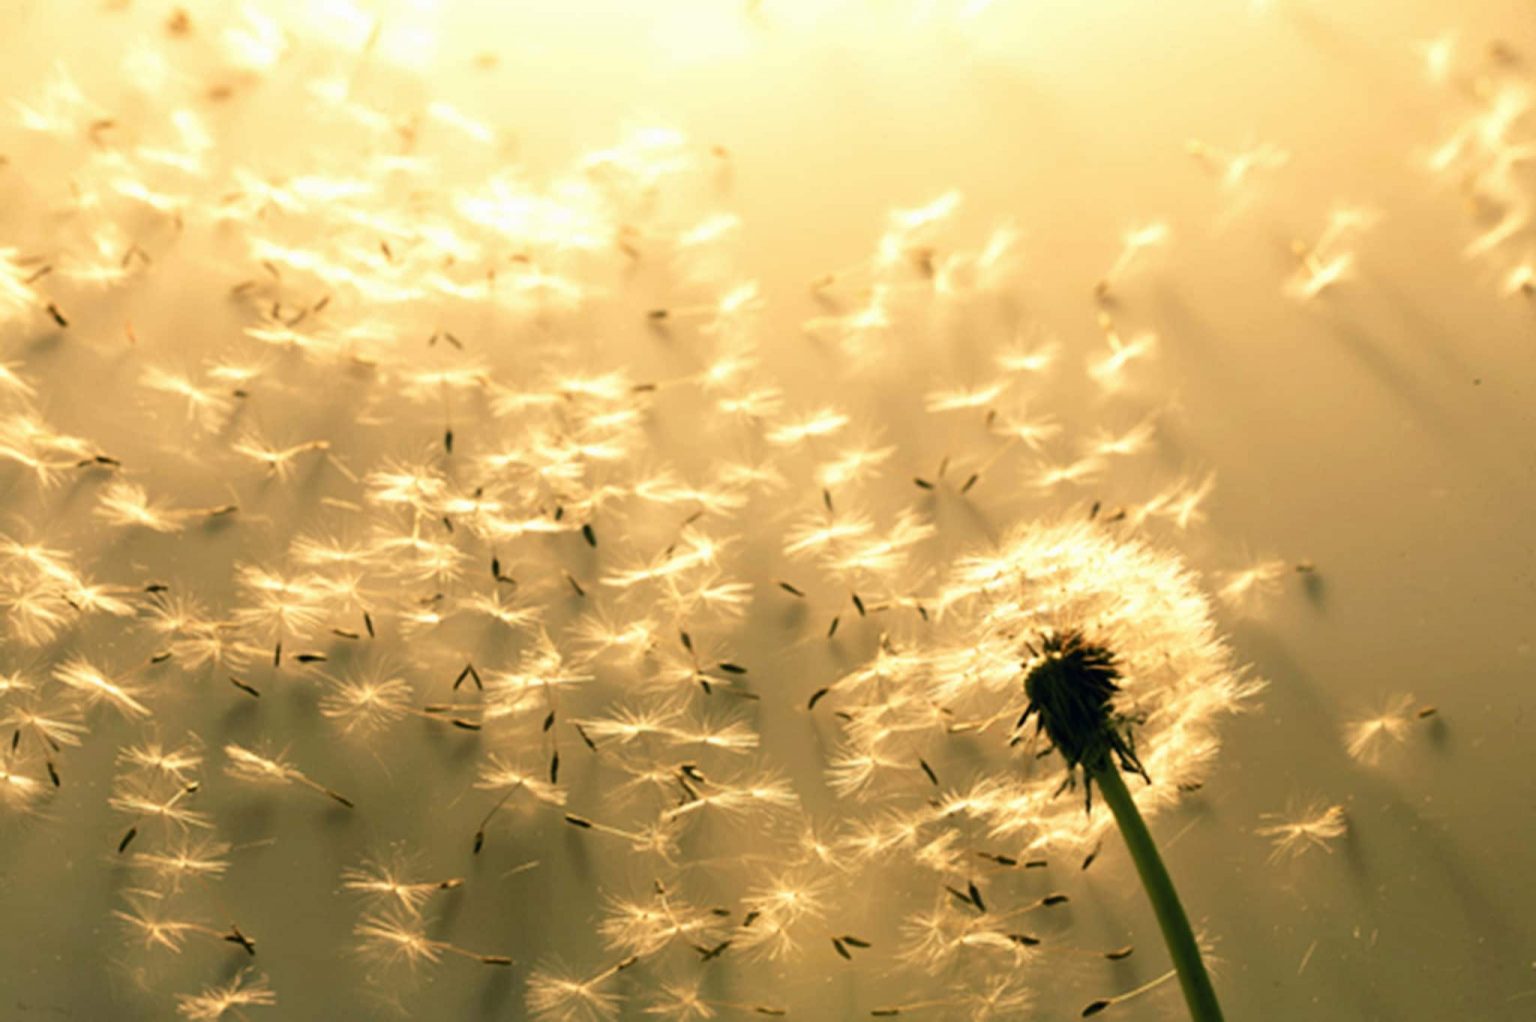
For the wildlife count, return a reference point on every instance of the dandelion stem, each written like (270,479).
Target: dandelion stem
(1182,947)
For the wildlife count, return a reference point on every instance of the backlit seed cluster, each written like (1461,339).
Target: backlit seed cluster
(481,552)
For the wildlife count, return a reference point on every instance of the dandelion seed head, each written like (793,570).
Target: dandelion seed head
(1067,616)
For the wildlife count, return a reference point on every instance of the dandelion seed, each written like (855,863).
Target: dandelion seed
(248,689)
(1300,830)
(1368,740)
(1327,261)
(1133,244)
(386,880)
(219,1002)
(1109,372)
(142,801)
(780,912)
(1232,170)
(95,687)
(557,996)
(1105,1003)
(149,920)
(964,400)
(1247,588)
(49,731)
(185,861)
(649,926)
(279,461)
(248,765)
(818,424)
(398,938)
(178,764)
(369,701)
(18,791)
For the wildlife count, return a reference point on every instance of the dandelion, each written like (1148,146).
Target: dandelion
(50,730)
(1133,244)
(1051,475)
(1329,259)
(1247,587)
(686,1002)
(281,607)
(1180,504)
(1232,169)
(556,996)
(1104,444)
(126,504)
(1022,357)
(1368,739)
(140,800)
(1302,829)
(227,1001)
(852,465)
(388,880)
(213,644)
(185,861)
(821,423)
(1122,672)
(281,462)
(692,550)
(12,382)
(398,938)
(1018,427)
(372,700)
(965,399)
(1520,280)
(20,792)
(17,298)
(627,641)
(777,913)
(511,780)
(149,919)
(207,407)
(1105,1003)
(648,926)
(1110,370)
(178,764)
(95,687)
(87,598)
(248,765)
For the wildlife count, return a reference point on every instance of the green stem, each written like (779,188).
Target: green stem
(1195,981)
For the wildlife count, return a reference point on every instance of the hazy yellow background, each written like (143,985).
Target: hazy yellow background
(1386,431)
